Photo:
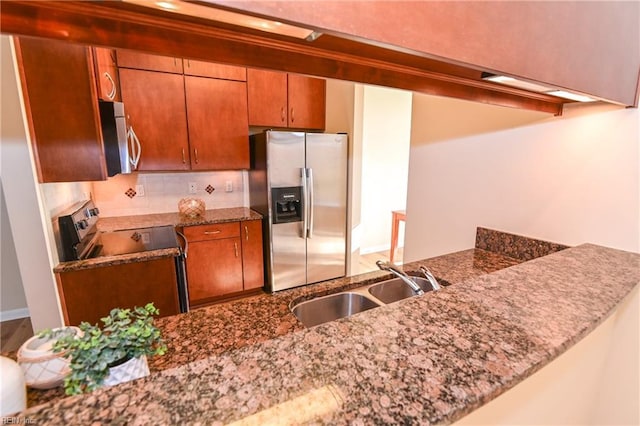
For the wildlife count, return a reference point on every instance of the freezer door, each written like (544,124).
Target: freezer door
(286,165)
(326,156)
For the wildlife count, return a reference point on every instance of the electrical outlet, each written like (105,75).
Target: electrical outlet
(140,190)
(193,187)
(228,186)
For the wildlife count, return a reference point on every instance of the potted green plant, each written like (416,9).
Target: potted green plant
(113,353)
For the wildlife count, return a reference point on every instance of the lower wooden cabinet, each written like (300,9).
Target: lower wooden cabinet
(223,259)
(90,294)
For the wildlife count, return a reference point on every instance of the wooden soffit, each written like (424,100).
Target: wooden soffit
(121,25)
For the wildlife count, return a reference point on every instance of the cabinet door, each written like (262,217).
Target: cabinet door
(306,100)
(212,70)
(90,294)
(145,61)
(61,101)
(218,128)
(107,74)
(214,268)
(267,97)
(252,261)
(155,108)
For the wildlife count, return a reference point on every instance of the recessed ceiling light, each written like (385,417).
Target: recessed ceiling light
(227,17)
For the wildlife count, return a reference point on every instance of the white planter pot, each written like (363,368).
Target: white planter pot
(133,369)
(42,368)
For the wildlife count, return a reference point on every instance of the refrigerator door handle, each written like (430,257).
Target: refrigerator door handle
(311,202)
(305,195)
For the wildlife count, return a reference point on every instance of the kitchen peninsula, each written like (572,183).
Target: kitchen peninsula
(428,359)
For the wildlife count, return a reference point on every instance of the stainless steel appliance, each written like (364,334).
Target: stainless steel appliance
(79,239)
(298,181)
(115,136)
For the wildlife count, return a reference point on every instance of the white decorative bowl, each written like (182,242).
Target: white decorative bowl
(43,368)
(191,207)
(13,392)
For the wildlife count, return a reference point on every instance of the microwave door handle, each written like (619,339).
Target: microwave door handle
(305,193)
(311,202)
(136,148)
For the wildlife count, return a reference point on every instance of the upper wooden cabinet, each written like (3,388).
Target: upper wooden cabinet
(61,101)
(183,121)
(286,100)
(217,122)
(155,108)
(208,69)
(106,74)
(144,61)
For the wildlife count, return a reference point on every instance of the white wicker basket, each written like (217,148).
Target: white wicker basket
(42,368)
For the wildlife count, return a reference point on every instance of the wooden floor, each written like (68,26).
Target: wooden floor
(14,334)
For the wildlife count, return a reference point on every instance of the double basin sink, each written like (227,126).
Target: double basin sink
(340,305)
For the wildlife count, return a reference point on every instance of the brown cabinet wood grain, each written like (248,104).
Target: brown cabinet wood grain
(90,294)
(155,108)
(145,61)
(61,101)
(106,70)
(217,122)
(214,268)
(212,70)
(267,94)
(252,260)
(306,98)
(285,100)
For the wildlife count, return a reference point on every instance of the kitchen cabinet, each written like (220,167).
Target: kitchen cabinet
(107,80)
(252,260)
(61,102)
(144,61)
(209,69)
(155,108)
(224,259)
(217,123)
(188,122)
(90,294)
(285,100)
(214,261)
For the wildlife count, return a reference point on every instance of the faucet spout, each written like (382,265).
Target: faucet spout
(430,277)
(398,272)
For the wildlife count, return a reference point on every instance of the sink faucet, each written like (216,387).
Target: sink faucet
(429,276)
(398,272)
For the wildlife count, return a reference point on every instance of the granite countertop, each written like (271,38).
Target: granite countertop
(118,223)
(428,359)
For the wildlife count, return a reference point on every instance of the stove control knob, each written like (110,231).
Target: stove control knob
(82,224)
(94,211)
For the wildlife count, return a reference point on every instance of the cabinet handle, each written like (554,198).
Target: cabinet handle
(211,232)
(112,93)
(195,151)
(184,160)
(292,116)
(282,114)
(188,64)
(246,233)
(235,246)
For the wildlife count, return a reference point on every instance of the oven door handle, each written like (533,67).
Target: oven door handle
(184,249)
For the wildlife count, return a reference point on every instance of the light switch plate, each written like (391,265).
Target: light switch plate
(140,190)
(193,187)
(228,186)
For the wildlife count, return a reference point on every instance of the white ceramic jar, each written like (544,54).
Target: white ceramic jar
(13,391)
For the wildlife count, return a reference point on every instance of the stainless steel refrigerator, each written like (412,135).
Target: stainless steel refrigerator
(298,182)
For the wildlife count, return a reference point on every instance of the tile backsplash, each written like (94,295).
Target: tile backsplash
(144,193)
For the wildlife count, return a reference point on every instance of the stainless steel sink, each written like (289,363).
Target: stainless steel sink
(328,308)
(395,289)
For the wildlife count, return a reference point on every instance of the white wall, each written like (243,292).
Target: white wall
(569,179)
(13,303)
(386,129)
(24,203)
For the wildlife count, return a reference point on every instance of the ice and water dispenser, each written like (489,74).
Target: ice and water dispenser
(287,204)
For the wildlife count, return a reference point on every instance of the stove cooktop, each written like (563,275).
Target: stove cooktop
(133,241)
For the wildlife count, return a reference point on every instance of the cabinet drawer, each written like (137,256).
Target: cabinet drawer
(212,232)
